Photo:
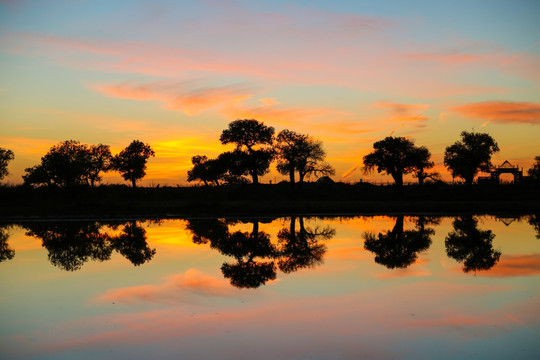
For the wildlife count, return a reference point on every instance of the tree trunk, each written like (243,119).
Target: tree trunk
(301,177)
(291,176)
(398,228)
(133,182)
(398,179)
(255,177)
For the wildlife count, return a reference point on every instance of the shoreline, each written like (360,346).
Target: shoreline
(264,201)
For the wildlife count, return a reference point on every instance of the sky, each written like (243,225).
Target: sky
(173,74)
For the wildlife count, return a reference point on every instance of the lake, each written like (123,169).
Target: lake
(381,287)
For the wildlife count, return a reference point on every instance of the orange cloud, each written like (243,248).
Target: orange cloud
(404,112)
(503,112)
(515,265)
(446,58)
(188,287)
(177,96)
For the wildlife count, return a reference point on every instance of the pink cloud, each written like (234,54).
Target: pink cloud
(188,287)
(515,265)
(502,112)
(177,96)
(446,58)
(404,114)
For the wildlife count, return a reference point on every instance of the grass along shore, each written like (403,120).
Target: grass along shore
(265,200)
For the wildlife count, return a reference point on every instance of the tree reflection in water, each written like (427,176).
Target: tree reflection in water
(534,221)
(71,244)
(399,248)
(131,243)
(6,253)
(302,248)
(255,254)
(470,245)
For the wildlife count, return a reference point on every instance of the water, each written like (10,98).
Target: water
(335,288)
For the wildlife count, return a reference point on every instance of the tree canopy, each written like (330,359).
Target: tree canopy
(131,162)
(397,156)
(6,156)
(70,163)
(254,151)
(466,157)
(470,245)
(534,172)
(300,153)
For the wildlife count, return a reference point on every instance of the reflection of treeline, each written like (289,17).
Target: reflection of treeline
(71,244)
(257,257)
(399,248)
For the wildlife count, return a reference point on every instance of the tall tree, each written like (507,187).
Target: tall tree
(207,170)
(300,153)
(98,158)
(70,163)
(6,156)
(422,159)
(254,139)
(534,172)
(466,157)
(131,162)
(65,164)
(396,156)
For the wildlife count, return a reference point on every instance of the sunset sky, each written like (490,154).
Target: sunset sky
(175,73)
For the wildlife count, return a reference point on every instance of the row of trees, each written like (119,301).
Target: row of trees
(255,149)
(398,156)
(72,163)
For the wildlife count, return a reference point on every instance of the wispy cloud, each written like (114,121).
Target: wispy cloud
(515,265)
(180,96)
(502,112)
(519,54)
(404,112)
(181,288)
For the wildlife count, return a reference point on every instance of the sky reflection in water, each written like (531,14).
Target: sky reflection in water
(365,287)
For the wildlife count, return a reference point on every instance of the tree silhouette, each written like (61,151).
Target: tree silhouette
(98,159)
(534,221)
(6,253)
(254,139)
(6,156)
(70,163)
(207,170)
(71,244)
(254,252)
(466,157)
(248,272)
(300,153)
(422,162)
(65,164)
(214,231)
(303,248)
(471,246)
(131,243)
(397,156)
(534,172)
(131,162)
(398,248)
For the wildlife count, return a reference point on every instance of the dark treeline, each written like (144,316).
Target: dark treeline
(297,156)
(255,257)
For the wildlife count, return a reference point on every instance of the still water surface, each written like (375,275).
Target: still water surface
(301,288)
